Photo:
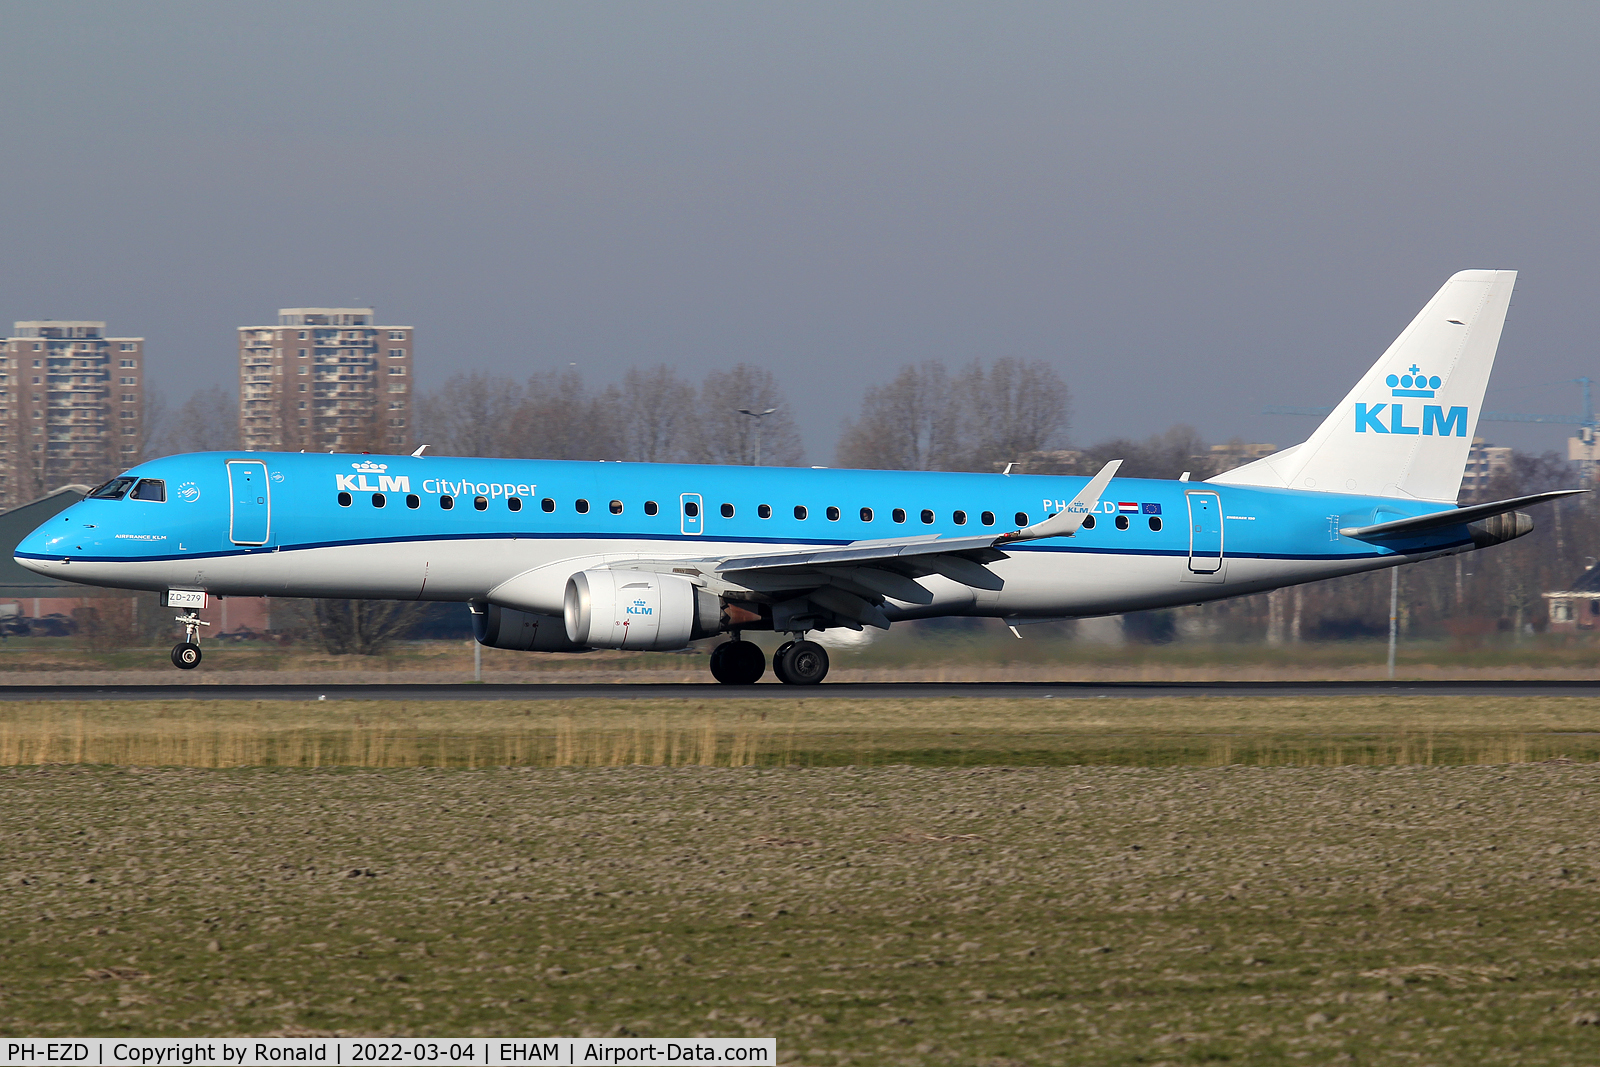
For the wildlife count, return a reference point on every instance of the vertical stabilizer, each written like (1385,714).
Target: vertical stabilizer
(1406,428)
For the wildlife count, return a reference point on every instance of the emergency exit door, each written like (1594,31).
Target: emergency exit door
(1205,533)
(690,516)
(250,518)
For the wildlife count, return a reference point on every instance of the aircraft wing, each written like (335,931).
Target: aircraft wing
(847,585)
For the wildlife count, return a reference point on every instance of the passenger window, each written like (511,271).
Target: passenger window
(651,507)
(1122,522)
(413,501)
(833,514)
(727,511)
(616,507)
(764,511)
(898,514)
(581,506)
(1088,522)
(799,511)
(866,514)
(987,518)
(446,503)
(927,517)
(547,505)
(690,508)
(151,489)
(514,503)
(1022,519)
(379,500)
(960,518)
(1155,523)
(481,503)
(344,500)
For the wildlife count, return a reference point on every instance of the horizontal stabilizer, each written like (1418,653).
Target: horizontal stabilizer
(1421,524)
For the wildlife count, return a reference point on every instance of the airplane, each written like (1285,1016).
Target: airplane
(561,556)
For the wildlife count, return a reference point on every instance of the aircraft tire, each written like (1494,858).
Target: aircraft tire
(186,656)
(738,663)
(719,664)
(804,663)
(780,670)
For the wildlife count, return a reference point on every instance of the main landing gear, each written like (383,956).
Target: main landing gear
(800,663)
(186,654)
(741,662)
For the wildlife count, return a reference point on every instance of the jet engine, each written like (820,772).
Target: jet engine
(520,631)
(638,610)
(1498,529)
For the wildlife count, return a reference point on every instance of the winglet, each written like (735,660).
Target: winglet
(1065,522)
(418,453)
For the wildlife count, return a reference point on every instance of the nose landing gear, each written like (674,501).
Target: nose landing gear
(186,654)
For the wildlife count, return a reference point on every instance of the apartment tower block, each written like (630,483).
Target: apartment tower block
(325,379)
(71,406)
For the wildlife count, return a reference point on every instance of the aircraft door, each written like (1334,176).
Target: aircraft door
(1205,532)
(691,512)
(250,511)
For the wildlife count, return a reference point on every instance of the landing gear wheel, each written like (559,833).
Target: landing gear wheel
(738,663)
(186,656)
(779,670)
(802,663)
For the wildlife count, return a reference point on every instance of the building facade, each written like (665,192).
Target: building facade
(71,407)
(325,379)
(1485,463)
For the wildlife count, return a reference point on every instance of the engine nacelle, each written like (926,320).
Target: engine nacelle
(1498,529)
(638,610)
(521,631)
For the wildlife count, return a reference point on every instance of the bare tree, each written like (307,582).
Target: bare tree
(561,419)
(727,436)
(1008,410)
(909,423)
(154,423)
(207,422)
(471,415)
(1162,455)
(657,416)
(982,418)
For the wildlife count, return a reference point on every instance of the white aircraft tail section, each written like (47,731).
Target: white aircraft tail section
(1405,429)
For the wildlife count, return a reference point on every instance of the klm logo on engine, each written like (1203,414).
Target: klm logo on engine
(357,483)
(1436,421)
(639,607)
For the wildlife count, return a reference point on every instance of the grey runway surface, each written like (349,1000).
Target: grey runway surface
(774,691)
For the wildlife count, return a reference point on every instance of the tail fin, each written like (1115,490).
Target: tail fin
(1405,429)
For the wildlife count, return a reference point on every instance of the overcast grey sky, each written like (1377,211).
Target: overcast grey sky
(1191,210)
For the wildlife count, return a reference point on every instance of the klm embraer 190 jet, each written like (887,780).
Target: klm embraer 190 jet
(566,557)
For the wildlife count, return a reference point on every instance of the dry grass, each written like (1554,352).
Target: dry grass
(1198,731)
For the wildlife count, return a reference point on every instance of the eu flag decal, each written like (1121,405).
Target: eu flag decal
(1151,509)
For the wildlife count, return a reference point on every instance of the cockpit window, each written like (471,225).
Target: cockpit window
(115,489)
(150,489)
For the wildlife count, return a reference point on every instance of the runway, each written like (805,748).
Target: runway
(774,691)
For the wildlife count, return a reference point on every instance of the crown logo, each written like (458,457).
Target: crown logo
(368,467)
(1413,382)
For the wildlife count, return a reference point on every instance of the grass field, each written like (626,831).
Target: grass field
(853,890)
(928,652)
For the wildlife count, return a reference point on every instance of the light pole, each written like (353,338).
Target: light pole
(758,416)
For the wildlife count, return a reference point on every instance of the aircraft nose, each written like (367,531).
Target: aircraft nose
(41,551)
